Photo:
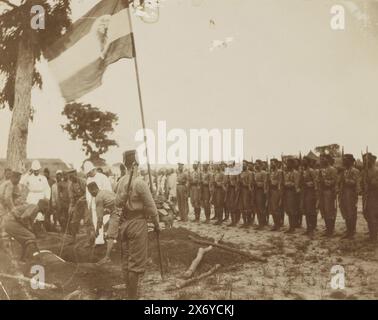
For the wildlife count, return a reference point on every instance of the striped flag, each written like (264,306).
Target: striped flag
(80,57)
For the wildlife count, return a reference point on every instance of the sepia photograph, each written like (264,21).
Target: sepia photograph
(208,151)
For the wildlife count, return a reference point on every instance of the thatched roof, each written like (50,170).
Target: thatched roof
(313,156)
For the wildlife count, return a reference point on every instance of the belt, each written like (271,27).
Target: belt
(132,215)
(273,187)
(195,184)
(181,184)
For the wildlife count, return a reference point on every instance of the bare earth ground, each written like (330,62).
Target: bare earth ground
(296,267)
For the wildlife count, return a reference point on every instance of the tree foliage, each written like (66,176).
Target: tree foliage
(90,125)
(15,21)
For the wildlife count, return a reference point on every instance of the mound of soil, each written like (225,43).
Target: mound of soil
(80,274)
(178,251)
(176,247)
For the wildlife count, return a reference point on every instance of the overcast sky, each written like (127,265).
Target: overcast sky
(287,79)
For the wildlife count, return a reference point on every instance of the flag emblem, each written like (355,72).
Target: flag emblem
(80,57)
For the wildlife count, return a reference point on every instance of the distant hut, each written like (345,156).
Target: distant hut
(313,156)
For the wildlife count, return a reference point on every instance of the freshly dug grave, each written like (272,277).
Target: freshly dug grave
(80,273)
(178,251)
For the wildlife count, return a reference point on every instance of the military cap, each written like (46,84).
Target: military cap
(349,157)
(129,157)
(70,171)
(371,156)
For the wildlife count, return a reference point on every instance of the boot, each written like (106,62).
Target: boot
(219,216)
(329,230)
(332,225)
(196,215)
(133,285)
(292,224)
(207,214)
(237,217)
(347,233)
(249,218)
(253,217)
(353,223)
(28,251)
(276,223)
(300,221)
(227,215)
(233,223)
(245,220)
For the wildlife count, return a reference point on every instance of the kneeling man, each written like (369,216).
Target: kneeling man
(105,204)
(19,224)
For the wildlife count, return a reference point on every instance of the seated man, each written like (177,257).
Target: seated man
(19,225)
(10,195)
(105,204)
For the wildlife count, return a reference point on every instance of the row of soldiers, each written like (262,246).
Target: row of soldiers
(295,186)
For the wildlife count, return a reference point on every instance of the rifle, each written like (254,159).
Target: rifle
(282,186)
(267,188)
(128,191)
(342,180)
(301,184)
(366,180)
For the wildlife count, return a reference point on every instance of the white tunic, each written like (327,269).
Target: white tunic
(171,184)
(162,184)
(38,188)
(103,183)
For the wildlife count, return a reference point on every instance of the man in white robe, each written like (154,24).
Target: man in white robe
(103,183)
(37,186)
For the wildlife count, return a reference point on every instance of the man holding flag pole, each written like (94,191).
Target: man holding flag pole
(78,60)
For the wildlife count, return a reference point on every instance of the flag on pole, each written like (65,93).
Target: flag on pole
(80,57)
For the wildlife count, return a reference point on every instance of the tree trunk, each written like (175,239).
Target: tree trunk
(18,133)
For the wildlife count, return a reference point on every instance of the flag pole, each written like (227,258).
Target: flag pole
(144,131)
(140,97)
